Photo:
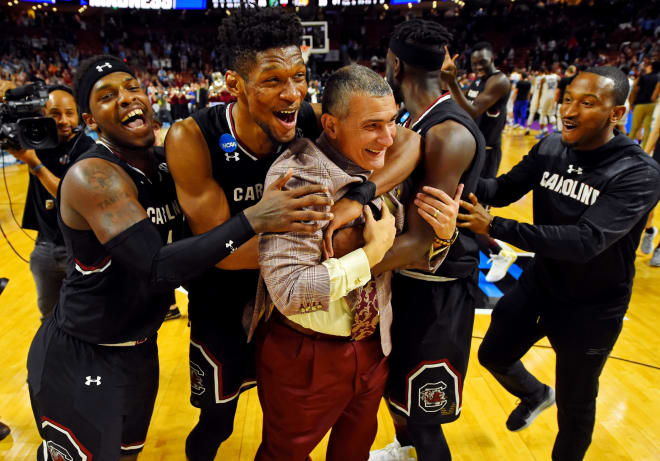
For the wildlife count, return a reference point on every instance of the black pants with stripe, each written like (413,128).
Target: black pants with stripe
(581,345)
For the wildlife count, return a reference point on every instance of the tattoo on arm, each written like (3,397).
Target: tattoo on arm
(111,199)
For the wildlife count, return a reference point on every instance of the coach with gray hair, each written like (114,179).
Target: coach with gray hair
(321,353)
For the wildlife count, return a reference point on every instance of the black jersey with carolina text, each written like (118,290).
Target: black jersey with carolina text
(102,301)
(491,123)
(240,173)
(590,208)
(463,256)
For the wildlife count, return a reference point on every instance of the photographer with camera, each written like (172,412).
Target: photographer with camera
(47,166)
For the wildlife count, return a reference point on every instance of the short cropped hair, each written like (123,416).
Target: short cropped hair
(482,46)
(251,30)
(621,84)
(65,88)
(348,81)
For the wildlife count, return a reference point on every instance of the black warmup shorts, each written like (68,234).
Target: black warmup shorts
(90,401)
(221,359)
(431,337)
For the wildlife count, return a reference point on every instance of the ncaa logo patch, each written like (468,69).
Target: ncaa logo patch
(404,117)
(228,143)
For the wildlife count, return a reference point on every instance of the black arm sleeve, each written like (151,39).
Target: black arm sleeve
(362,193)
(618,209)
(139,249)
(509,187)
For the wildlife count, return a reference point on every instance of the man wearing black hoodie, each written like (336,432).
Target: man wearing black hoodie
(593,188)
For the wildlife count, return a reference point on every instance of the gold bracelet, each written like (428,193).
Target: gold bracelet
(433,252)
(439,243)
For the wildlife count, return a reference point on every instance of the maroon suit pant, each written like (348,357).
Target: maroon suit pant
(308,385)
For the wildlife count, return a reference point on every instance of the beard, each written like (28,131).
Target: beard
(269,133)
(396,88)
(397,93)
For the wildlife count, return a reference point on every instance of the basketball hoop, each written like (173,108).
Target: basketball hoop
(306,50)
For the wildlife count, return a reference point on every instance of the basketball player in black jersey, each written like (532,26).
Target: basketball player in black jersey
(219,158)
(433,313)
(485,100)
(93,365)
(591,200)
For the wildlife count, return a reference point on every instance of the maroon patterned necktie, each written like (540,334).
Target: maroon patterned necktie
(364,306)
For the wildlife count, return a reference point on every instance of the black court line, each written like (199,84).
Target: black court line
(634,362)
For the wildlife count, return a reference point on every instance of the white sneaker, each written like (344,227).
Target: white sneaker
(392,452)
(647,241)
(501,263)
(655,260)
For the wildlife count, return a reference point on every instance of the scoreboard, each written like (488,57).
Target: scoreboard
(149,4)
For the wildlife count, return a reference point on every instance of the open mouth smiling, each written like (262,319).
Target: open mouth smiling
(287,116)
(134,119)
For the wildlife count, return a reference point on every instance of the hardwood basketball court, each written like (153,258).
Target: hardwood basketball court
(628,405)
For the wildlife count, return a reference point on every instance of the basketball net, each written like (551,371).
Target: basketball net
(306,51)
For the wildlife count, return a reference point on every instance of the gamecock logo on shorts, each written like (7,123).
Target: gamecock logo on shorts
(196,383)
(58,452)
(432,397)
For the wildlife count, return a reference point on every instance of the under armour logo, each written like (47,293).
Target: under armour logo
(230,244)
(100,68)
(89,381)
(233,157)
(577,170)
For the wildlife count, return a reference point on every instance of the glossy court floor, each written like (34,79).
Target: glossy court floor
(627,425)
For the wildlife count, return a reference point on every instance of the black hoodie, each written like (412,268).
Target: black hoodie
(590,208)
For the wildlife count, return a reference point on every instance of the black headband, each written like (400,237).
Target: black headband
(97,70)
(417,56)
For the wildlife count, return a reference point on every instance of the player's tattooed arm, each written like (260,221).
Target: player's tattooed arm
(98,195)
(448,151)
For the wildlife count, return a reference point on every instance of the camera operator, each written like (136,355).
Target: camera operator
(47,166)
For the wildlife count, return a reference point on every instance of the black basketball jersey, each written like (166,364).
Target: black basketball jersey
(491,123)
(463,256)
(102,301)
(240,174)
